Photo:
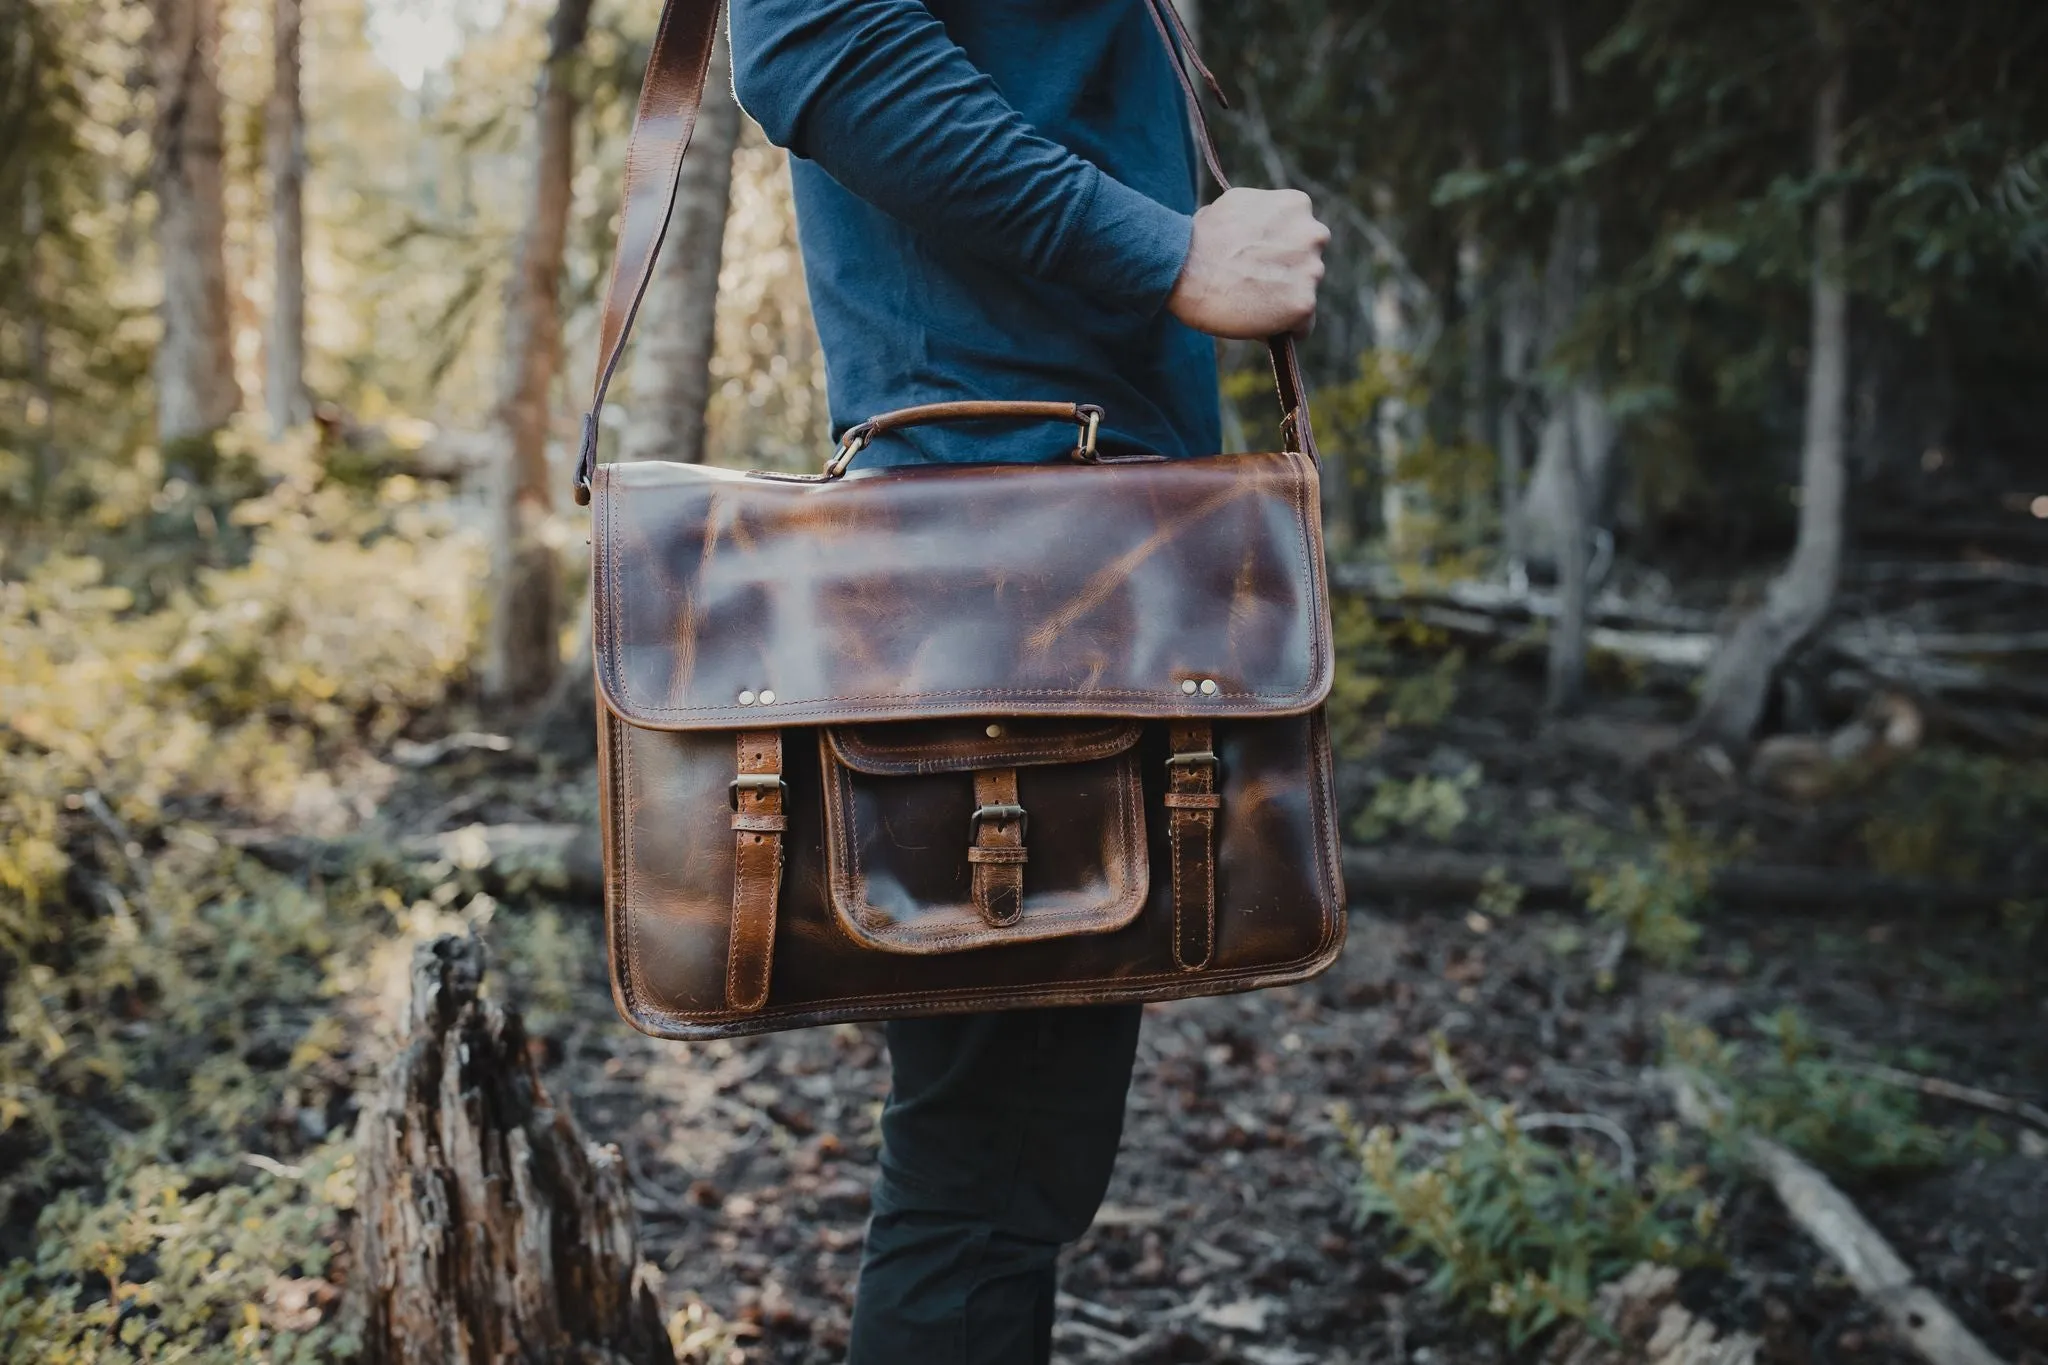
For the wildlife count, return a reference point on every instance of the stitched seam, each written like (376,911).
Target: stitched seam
(854,754)
(898,701)
(1086,988)
(625,846)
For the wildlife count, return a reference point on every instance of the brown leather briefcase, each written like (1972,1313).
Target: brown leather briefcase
(945,738)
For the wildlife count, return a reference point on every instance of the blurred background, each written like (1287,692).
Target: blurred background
(1682,371)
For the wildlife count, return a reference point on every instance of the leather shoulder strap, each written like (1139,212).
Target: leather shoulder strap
(670,94)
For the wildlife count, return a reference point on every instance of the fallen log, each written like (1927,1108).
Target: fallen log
(1433,874)
(488,1232)
(569,860)
(1832,1219)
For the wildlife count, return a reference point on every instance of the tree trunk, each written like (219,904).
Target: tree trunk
(196,390)
(1577,441)
(39,410)
(284,378)
(677,329)
(1391,416)
(1518,327)
(1738,682)
(522,654)
(488,1232)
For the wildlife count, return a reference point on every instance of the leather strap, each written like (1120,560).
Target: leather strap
(1191,804)
(997,854)
(1297,432)
(670,93)
(759,822)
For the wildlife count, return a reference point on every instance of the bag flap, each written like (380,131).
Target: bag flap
(1181,587)
(907,748)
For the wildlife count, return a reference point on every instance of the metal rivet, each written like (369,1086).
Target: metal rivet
(747,698)
(994,732)
(767,698)
(1187,685)
(1208,688)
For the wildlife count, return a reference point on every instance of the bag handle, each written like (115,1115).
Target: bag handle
(670,94)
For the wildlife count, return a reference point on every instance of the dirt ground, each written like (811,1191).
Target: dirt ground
(1227,1234)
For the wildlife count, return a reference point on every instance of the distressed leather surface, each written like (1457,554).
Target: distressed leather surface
(1279,899)
(1062,589)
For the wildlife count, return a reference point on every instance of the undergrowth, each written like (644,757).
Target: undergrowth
(1519,1228)
(184,1024)
(1650,882)
(1788,1086)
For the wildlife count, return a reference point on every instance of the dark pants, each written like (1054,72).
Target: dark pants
(997,1143)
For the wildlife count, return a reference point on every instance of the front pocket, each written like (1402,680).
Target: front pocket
(901,827)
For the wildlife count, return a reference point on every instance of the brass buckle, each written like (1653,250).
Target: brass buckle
(999,812)
(1203,757)
(756,782)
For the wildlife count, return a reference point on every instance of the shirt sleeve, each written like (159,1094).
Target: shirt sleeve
(877,94)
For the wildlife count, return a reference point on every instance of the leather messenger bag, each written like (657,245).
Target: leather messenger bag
(942,738)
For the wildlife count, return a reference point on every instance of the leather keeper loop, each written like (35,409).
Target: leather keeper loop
(762,822)
(998,855)
(1192,801)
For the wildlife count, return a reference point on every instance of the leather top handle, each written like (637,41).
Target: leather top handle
(670,94)
(1086,416)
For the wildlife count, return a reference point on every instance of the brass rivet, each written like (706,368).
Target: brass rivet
(1208,688)
(767,697)
(994,732)
(747,698)
(1187,685)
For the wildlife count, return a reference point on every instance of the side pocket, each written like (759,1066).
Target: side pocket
(903,837)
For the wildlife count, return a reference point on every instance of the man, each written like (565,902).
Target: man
(996,199)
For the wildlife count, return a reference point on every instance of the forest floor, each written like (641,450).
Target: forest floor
(1229,1232)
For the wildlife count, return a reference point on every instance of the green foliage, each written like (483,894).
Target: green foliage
(1947,814)
(1389,675)
(1433,806)
(167,998)
(1789,1088)
(1516,1227)
(201,1262)
(1650,882)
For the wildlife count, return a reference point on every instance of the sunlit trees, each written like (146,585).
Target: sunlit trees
(195,371)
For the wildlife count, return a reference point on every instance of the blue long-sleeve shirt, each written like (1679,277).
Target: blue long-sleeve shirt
(993,201)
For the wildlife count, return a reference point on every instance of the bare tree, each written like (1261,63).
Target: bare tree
(284,378)
(1578,437)
(677,326)
(196,390)
(1738,681)
(521,651)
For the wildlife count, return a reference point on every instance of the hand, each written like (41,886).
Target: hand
(1252,266)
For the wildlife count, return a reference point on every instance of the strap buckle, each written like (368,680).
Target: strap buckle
(756,782)
(999,812)
(1201,758)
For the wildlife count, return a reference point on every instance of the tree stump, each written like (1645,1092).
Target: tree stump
(488,1231)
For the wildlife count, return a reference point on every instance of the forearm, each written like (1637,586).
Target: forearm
(879,95)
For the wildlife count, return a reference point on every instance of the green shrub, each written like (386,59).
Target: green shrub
(1650,882)
(190,1263)
(1516,1227)
(1434,806)
(1787,1087)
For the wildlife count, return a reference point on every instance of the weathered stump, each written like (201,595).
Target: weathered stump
(488,1231)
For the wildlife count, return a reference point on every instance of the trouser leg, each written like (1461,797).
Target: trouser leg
(997,1143)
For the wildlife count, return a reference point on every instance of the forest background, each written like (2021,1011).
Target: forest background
(1680,374)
